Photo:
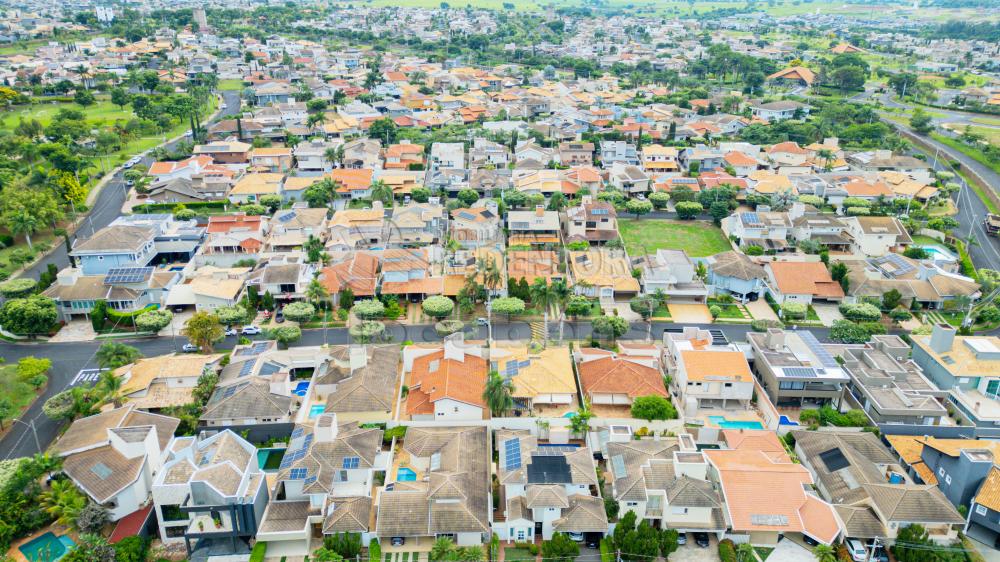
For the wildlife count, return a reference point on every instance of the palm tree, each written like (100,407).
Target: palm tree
(112,355)
(23,223)
(498,394)
(824,553)
(111,386)
(543,296)
(491,274)
(315,119)
(63,501)
(745,553)
(316,292)
(382,192)
(827,156)
(561,292)
(441,548)
(82,402)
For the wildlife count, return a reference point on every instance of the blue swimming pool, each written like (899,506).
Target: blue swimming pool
(938,253)
(301,388)
(46,547)
(316,409)
(404,474)
(785,421)
(569,415)
(722,422)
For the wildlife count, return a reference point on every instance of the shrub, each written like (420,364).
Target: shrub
(860,311)
(92,518)
(284,334)
(727,551)
(653,407)
(153,320)
(16,288)
(794,310)
(715,310)
(254,210)
(989,314)
(762,324)
(374,548)
(369,309)
(753,250)
(687,210)
(438,306)
(299,311)
(845,331)
(901,314)
(448,327)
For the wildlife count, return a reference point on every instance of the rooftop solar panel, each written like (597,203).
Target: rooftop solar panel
(119,275)
(824,356)
(549,470)
(806,372)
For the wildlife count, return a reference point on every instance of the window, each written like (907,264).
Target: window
(728,385)
(947,479)
(631,504)
(993,389)
(791,385)
(941,471)
(679,510)
(981,509)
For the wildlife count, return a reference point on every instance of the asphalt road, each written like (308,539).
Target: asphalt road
(107,207)
(69,359)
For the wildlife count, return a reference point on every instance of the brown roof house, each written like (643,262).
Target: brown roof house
(801,282)
(446,382)
(617,379)
(114,456)
(548,489)
(707,374)
(444,489)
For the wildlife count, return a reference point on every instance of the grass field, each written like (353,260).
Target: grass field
(20,393)
(698,239)
(101,113)
(992,135)
(986,121)
(969,151)
(231,84)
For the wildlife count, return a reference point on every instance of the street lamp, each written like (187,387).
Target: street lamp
(31,424)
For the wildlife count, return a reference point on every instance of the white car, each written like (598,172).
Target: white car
(189,348)
(857,550)
(575,537)
(250,330)
(231,332)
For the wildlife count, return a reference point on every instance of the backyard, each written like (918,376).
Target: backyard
(698,239)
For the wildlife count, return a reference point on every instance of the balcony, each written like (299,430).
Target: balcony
(204,524)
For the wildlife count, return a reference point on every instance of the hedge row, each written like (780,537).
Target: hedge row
(169,207)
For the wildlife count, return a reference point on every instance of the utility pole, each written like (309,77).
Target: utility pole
(31,425)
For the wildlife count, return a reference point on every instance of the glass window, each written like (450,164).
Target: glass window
(993,388)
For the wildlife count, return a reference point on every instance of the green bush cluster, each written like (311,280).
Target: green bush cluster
(727,551)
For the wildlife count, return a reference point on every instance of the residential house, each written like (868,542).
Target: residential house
(323,486)
(618,152)
(968,368)
(576,153)
(870,492)
(249,400)
(883,160)
(533,264)
(801,282)
(591,221)
(163,171)
(657,158)
(407,272)
(152,383)
(665,482)
(447,156)
(310,156)
(767,229)
(285,277)
(877,236)
(357,228)
(446,382)
(210,494)
(404,156)
(115,246)
(292,228)
(358,383)
(768,496)
(795,75)
(736,274)
(362,154)
(795,369)
(251,187)
(477,226)
(889,386)
(355,183)
(609,379)
(271,159)
(779,110)
(114,456)
(416,224)
(488,153)
(628,178)
(548,489)
(358,271)
(225,152)
(448,494)
(209,288)
(701,158)
(543,379)
(124,289)
(706,375)
(671,272)
(537,227)
(601,273)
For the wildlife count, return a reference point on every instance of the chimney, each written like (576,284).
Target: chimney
(68,276)
(326,428)
(539,210)
(453,347)
(942,338)
(358,357)
(775,338)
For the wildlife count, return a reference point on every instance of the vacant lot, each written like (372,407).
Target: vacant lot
(101,113)
(698,239)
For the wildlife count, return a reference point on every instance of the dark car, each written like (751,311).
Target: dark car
(397,541)
(809,540)
(279,317)
(879,555)
(701,539)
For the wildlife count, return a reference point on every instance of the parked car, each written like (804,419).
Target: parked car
(857,550)
(397,541)
(809,540)
(231,332)
(279,317)
(189,348)
(250,330)
(576,537)
(879,555)
(482,321)
(682,539)
(701,539)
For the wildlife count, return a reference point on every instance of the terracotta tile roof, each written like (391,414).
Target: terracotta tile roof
(225,223)
(716,365)
(434,378)
(619,376)
(359,272)
(862,188)
(737,158)
(789,147)
(755,440)
(352,179)
(425,286)
(805,278)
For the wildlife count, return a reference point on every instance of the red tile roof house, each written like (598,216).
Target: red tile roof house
(801,282)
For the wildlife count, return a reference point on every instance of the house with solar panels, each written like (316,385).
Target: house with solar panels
(323,486)
(767,229)
(125,289)
(115,246)
(796,370)
(549,488)
(210,495)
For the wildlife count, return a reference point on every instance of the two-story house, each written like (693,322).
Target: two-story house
(537,227)
(416,224)
(671,272)
(591,221)
(707,375)
(476,226)
(734,273)
(794,368)
(115,247)
(623,152)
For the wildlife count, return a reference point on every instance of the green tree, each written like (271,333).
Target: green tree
(230,315)
(317,293)
(63,501)
(384,129)
(498,394)
(7,410)
(84,98)
(438,306)
(382,192)
(845,331)
(347,545)
(921,121)
(891,299)
(119,97)
(442,547)
(659,199)
(560,547)
(30,316)
(285,334)
(638,207)
(653,407)
(369,309)
(112,355)
(824,553)
(687,210)
(507,306)
(611,327)
(90,548)
(468,196)
(109,385)
(299,311)
(745,553)
(203,329)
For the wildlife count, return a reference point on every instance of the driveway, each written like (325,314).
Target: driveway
(625,311)
(827,313)
(689,313)
(790,551)
(75,331)
(693,553)
(760,309)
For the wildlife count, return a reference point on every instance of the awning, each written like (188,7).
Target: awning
(180,295)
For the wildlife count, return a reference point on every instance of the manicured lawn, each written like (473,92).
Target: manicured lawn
(986,121)
(512,554)
(20,393)
(101,113)
(698,239)
(231,84)
(731,311)
(922,240)
(763,551)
